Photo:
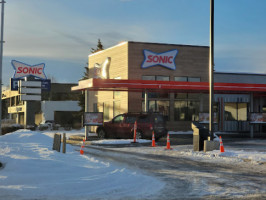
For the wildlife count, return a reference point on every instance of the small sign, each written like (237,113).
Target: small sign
(14,84)
(257,118)
(25,70)
(204,118)
(45,84)
(93,119)
(29,97)
(165,59)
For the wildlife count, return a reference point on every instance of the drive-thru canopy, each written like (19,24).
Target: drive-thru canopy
(170,86)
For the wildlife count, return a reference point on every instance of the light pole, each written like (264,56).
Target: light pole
(1,60)
(211,69)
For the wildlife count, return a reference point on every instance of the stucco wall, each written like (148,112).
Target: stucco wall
(49,107)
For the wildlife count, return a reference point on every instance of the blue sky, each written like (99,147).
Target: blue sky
(61,33)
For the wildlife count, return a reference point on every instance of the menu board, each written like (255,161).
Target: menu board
(93,119)
(204,117)
(257,118)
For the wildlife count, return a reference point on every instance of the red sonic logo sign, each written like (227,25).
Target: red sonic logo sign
(24,70)
(165,59)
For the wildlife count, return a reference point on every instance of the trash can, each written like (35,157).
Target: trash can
(200,133)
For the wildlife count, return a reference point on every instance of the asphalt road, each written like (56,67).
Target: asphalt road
(186,178)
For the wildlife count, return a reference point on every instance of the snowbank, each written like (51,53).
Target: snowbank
(33,170)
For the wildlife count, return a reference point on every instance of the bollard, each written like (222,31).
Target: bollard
(57,142)
(64,143)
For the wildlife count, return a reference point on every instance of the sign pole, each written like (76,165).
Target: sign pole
(211,69)
(1,61)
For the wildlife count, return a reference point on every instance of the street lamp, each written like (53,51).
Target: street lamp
(211,69)
(1,61)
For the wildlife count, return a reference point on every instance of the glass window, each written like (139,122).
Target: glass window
(230,111)
(163,107)
(180,110)
(181,95)
(143,119)
(152,106)
(152,78)
(186,110)
(193,110)
(130,119)
(158,119)
(95,107)
(264,108)
(162,78)
(118,119)
(117,108)
(193,96)
(193,79)
(106,108)
(181,78)
(158,106)
(116,94)
(242,111)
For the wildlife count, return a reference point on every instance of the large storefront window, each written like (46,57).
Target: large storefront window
(235,111)
(158,106)
(117,108)
(186,110)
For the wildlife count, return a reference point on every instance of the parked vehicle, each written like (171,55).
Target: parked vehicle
(122,126)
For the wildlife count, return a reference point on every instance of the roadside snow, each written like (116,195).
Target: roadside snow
(121,141)
(32,170)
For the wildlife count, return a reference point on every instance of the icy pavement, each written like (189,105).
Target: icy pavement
(33,171)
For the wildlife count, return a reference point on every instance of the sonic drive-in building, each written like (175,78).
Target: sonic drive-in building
(173,80)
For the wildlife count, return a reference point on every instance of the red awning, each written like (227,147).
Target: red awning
(166,86)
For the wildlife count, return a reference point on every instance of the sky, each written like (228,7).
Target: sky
(61,33)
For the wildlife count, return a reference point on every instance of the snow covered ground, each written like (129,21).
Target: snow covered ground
(33,170)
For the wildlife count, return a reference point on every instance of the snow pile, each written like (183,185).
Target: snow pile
(32,170)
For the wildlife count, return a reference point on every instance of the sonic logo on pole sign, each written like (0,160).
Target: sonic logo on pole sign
(24,70)
(165,59)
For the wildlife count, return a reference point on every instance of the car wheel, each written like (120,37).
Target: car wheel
(139,135)
(101,133)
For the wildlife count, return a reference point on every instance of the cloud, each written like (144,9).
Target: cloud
(30,33)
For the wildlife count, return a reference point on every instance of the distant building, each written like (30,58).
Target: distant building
(59,105)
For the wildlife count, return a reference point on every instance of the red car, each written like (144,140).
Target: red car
(122,126)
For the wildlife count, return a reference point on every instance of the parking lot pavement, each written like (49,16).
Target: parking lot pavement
(192,175)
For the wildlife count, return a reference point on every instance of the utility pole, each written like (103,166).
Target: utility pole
(211,69)
(1,60)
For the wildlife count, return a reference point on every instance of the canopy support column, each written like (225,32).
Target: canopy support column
(146,106)
(86,110)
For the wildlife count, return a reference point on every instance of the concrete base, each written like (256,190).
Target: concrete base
(211,145)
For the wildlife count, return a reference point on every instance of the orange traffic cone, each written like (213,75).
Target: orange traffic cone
(81,148)
(135,132)
(221,145)
(168,143)
(153,140)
